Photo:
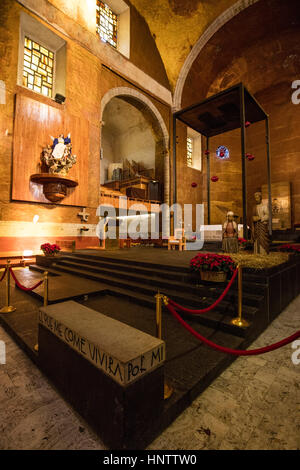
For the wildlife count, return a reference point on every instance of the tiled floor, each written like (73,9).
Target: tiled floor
(254,404)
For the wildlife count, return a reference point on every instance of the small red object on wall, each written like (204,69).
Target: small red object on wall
(247,123)
(194,185)
(214,179)
(250,157)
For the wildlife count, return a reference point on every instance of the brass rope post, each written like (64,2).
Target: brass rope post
(7,308)
(168,390)
(45,288)
(239,321)
(158,315)
(36,347)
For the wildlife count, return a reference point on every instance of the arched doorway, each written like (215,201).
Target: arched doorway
(134,143)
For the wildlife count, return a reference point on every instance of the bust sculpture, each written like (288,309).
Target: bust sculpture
(230,234)
(260,219)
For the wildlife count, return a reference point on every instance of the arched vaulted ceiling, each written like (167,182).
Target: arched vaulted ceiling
(265,55)
(176,26)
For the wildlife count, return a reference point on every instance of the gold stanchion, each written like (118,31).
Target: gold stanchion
(8,308)
(45,288)
(168,390)
(36,347)
(158,315)
(239,321)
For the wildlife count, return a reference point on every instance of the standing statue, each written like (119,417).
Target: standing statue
(260,232)
(230,234)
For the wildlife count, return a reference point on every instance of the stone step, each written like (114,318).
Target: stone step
(181,274)
(160,282)
(248,274)
(218,318)
(127,262)
(187,299)
(161,271)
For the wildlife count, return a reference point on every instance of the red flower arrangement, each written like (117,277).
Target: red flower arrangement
(289,248)
(49,249)
(242,241)
(245,244)
(212,262)
(247,123)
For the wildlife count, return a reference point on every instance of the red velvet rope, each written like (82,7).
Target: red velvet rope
(212,306)
(20,285)
(3,275)
(234,352)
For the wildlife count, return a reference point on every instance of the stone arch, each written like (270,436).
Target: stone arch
(226,16)
(145,105)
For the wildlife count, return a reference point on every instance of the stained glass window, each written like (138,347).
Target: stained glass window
(106,23)
(222,152)
(189,158)
(38,68)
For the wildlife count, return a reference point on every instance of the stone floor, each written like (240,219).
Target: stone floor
(254,404)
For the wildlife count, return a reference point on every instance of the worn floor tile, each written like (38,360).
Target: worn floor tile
(253,404)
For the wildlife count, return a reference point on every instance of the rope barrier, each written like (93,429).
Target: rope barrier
(20,285)
(211,307)
(9,308)
(3,275)
(234,352)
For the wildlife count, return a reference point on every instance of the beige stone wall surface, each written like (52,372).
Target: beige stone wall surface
(88,79)
(260,50)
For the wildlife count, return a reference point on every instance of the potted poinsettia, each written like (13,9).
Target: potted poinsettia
(213,267)
(245,245)
(50,250)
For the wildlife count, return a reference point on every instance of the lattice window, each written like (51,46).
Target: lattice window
(189,154)
(106,23)
(38,67)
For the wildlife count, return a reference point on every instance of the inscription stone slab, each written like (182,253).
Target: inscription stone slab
(110,372)
(120,351)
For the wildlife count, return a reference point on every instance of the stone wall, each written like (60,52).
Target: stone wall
(186,194)
(260,50)
(142,44)
(88,79)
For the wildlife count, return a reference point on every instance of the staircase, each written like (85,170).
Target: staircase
(139,281)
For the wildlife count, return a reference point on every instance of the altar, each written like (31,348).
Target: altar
(213,233)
